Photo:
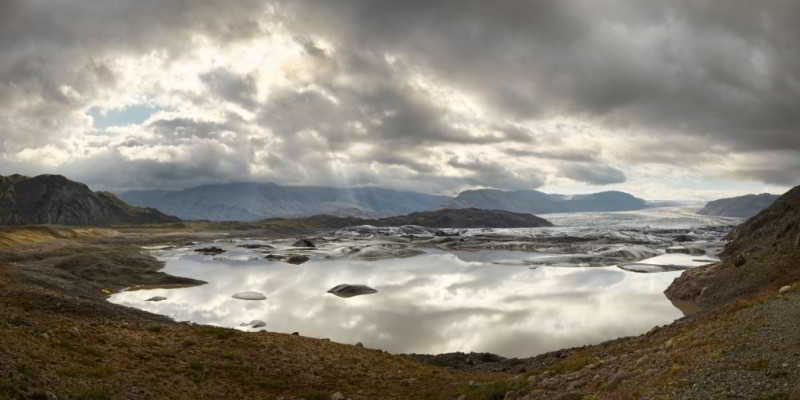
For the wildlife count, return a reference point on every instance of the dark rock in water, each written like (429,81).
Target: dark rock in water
(249,296)
(692,250)
(683,238)
(446,234)
(275,257)
(255,246)
(210,251)
(156,298)
(345,290)
(303,243)
(54,199)
(297,259)
(465,218)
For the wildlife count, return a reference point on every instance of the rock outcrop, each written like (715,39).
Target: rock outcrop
(763,255)
(535,202)
(54,199)
(741,206)
(444,218)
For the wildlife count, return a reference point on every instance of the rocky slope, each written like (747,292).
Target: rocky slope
(741,206)
(54,199)
(535,202)
(444,218)
(254,201)
(763,255)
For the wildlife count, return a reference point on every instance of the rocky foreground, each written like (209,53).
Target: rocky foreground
(60,339)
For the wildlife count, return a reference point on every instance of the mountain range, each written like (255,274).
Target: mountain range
(254,201)
(741,206)
(54,199)
(536,202)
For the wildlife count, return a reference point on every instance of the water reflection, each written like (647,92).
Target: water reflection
(433,303)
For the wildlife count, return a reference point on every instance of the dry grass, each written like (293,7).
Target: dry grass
(74,349)
(25,235)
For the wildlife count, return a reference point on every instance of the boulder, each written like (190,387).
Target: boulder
(347,290)
(303,243)
(784,289)
(693,250)
(297,259)
(210,251)
(249,296)
(156,298)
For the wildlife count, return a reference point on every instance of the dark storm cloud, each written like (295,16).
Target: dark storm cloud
(725,72)
(232,87)
(674,82)
(493,174)
(389,111)
(587,155)
(593,174)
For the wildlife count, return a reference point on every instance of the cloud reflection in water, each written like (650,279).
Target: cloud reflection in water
(433,303)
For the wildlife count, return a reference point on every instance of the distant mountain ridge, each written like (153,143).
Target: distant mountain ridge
(536,202)
(54,199)
(254,201)
(741,206)
(442,218)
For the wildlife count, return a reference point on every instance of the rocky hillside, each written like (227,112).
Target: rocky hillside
(764,254)
(254,201)
(741,206)
(54,199)
(444,218)
(536,202)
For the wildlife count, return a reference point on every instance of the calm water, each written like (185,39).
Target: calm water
(433,303)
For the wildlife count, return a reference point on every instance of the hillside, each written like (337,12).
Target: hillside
(742,206)
(54,199)
(536,202)
(254,201)
(763,254)
(444,218)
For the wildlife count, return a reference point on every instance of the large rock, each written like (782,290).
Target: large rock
(54,199)
(763,255)
(347,290)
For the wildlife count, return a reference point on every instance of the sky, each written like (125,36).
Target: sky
(675,99)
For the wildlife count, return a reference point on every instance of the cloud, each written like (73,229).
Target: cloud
(594,174)
(438,95)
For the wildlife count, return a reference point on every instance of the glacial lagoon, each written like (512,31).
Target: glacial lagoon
(436,297)
(432,303)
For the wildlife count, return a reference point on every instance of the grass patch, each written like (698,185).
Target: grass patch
(315,395)
(490,391)
(575,362)
(758,365)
